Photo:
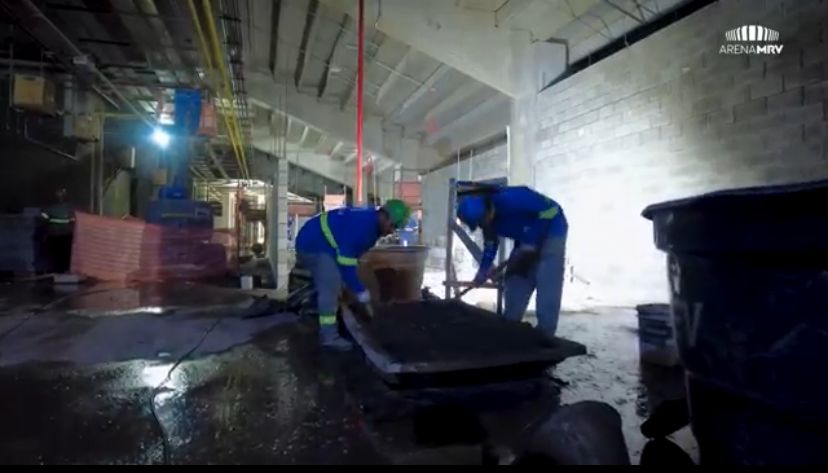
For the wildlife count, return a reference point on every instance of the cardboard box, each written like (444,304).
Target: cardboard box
(159,177)
(87,127)
(34,93)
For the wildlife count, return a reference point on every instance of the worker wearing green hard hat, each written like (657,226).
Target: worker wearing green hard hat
(397,213)
(330,245)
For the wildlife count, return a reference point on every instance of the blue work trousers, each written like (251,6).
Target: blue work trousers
(326,280)
(547,278)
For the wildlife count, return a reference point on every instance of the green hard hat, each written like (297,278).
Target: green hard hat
(398,211)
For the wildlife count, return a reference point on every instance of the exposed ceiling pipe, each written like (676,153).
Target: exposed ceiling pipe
(218,61)
(45,146)
(35,11)
(43,65)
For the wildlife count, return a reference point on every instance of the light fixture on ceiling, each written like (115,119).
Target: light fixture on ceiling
(160,138)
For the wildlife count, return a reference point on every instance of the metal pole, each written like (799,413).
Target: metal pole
(100,172)
(452,201)
(92,176)
(11,78)
(360,98)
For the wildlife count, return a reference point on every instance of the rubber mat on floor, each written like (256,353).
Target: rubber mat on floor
(443,337)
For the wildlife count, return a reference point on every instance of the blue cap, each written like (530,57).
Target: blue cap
(471,211)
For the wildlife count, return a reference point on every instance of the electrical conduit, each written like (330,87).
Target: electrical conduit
(204,50)
(228,90)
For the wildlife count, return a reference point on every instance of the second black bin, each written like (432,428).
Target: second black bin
(748,274)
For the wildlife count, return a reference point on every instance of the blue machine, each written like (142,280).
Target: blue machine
(172,192)
(180,213)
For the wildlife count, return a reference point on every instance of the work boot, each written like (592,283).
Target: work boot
(667,418)
(329,338)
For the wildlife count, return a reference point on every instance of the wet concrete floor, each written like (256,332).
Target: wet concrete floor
(263,393)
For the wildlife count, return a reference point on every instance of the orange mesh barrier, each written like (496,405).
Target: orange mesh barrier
(113,249)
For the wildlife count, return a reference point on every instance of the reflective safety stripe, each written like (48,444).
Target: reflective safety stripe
(45,215)
(327,320)
(549,213)
(60,221)
(345,261)
(326,230)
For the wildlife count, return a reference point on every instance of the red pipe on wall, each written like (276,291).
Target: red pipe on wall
(360,98)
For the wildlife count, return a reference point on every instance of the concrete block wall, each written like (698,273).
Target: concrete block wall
(670,117)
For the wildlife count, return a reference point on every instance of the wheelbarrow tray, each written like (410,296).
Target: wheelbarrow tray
(448,340)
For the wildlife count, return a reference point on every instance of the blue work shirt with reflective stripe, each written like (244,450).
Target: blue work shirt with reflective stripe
(355,229)
(523,215)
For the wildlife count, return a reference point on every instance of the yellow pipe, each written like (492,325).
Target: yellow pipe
(228,91)
(229,95)
(202,42)
(233,129)
(205,54)
(238,150)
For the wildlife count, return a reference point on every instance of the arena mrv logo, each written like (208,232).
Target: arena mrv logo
(751,39)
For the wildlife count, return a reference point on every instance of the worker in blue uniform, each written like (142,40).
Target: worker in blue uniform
(330,245)
(538,227)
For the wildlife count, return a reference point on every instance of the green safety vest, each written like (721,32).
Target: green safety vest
(59,218)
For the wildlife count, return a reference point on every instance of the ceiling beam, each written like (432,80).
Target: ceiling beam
(337,147)
(216,163)
(304,137)
(274,36)
(110,12)
(465,96)
(394,75)
(385,166)
(327,118)
(484,120)
(350,92)
(351,156)
(427,86)
(306,159)
(509,10)
(642,7)
(308,37)
(326,76)
(466,40)
(624,11)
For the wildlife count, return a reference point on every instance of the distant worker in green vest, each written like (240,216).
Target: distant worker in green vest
(59,220)
(330,245)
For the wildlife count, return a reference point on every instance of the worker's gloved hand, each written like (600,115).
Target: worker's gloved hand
(481,277)
(522,261)
(364,299)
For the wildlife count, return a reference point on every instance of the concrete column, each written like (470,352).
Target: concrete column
(277,215)
(409,154)
(385,184)
(533,67)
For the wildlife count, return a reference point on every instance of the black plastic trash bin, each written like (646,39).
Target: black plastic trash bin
(748,273)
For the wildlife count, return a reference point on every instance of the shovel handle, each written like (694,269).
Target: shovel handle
(496,274)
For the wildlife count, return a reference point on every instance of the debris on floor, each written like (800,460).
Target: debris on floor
(77,369)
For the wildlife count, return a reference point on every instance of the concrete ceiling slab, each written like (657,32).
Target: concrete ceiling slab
(464,39)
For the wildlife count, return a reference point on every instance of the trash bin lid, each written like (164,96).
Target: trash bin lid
(790,218)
